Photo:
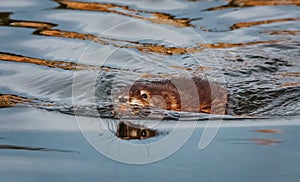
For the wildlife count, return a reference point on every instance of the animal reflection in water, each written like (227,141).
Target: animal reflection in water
(130,131)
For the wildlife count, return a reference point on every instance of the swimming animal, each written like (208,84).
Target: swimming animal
(194,94)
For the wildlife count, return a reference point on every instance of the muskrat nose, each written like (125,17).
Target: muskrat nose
(123,99)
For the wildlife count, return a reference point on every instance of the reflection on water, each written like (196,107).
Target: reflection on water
(14,147)
(7,100)
(257,141)
(249,3)
(272,131)
(161,18)
(266,141)
(51,64)
(282,32)
(129,131)
(46,30)
(249,24)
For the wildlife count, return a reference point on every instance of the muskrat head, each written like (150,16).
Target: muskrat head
(154,94)
(141,97)
(130,131)
(133,100)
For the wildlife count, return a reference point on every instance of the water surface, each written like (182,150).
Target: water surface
(250,46)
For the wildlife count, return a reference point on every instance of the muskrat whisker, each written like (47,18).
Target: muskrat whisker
(110,128)
(109,143)
(118,143)
(145,123)
(147,149)
(146,146)
(105,138)
(115,126)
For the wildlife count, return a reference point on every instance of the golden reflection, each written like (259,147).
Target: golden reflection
(181,68)
(142,47)
(156,17)
(45,29)
(147,75)
(66,34)
(36,25)
(290,74)
(146,47)
(270,131)
(221,45)
(11,100)
(249,24)
(245,3)
(249,3)
(282,32)
(201,47)
(8,100)
(289,85)
(266,141)
(49,63)
(134,45)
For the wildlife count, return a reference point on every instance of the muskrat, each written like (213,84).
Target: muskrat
(130,131)
(196,94)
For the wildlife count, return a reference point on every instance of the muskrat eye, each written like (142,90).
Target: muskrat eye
(144,96)
(143,133)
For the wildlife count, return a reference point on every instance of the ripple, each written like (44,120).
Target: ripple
(15,147)
(160,18)
(249,3)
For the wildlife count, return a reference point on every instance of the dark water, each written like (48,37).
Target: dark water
(57,57)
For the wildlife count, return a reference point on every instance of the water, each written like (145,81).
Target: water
(58,57)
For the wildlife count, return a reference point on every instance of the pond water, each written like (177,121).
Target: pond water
(62,61)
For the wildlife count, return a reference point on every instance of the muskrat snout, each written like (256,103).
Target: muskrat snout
(123,99)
